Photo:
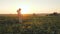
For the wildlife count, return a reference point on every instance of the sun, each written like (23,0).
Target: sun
(24,8)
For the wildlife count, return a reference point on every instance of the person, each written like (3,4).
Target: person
(19,15)
(19,12)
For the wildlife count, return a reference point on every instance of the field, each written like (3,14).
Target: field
(32,24)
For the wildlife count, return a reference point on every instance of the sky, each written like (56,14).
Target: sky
(29,6)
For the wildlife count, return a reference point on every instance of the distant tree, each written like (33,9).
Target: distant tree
(53,14)
(34,14)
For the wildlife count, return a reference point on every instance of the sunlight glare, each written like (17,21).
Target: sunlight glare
(24,8)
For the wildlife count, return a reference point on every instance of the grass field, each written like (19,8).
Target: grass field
(32,24)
